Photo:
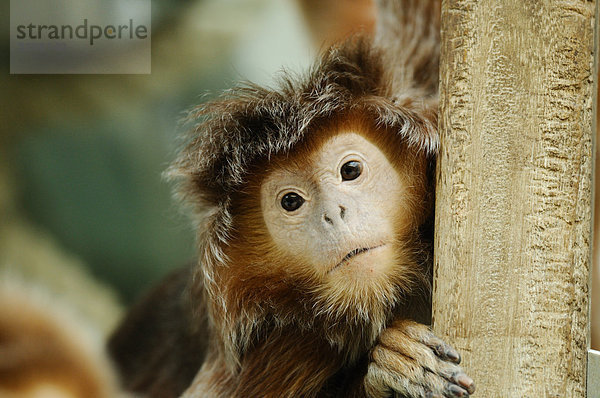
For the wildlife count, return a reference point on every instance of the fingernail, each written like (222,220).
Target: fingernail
(453,355)
(464,380)
(471,388)
(457,391)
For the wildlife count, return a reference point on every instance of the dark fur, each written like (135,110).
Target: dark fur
(160,346)
(265,339)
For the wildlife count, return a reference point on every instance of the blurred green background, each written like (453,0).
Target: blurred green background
(81,156)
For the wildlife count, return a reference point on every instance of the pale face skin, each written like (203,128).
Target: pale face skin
(343,226)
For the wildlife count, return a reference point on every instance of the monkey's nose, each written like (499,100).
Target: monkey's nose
(342,212)
(329,220)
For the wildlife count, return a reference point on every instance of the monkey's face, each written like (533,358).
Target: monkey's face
(337,213)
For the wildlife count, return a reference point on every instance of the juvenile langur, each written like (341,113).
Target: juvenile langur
(314,203)
(47,350)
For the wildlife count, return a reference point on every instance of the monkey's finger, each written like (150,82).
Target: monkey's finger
(407,376)
(399,341)
(421,345)
(381,383)
(424,335)
(443,350)
(382,380)
(464,381)
(395,363)
(428,385)
(454,391)
(449,390)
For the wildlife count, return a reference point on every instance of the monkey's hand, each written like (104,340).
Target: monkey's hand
(409,360)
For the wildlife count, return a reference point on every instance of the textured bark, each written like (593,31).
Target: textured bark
(513,211)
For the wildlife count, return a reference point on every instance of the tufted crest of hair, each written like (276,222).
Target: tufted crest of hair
(250,122)
(249,125)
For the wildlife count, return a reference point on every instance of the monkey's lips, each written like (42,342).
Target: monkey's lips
(354,253)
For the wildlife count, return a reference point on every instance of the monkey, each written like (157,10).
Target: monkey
(313,203)
(47,349)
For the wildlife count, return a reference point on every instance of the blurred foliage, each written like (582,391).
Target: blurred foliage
(83,154)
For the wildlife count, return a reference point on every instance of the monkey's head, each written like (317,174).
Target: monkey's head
(311,200)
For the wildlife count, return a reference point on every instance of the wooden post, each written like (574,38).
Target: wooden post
(513,211)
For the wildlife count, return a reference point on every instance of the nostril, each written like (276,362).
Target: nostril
(342,212)
(327,219)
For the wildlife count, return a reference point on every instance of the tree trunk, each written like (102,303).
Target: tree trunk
(514,188)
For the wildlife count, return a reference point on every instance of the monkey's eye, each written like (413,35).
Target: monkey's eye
(292,201)
(351,170)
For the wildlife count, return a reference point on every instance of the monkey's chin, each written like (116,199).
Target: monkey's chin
(363,289)
(374,262)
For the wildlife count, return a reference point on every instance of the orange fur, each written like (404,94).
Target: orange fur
(45,350)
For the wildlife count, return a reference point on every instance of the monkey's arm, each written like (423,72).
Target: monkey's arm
(411,361)
(158,347)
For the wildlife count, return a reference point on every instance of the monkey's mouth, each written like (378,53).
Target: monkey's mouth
(355,253)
